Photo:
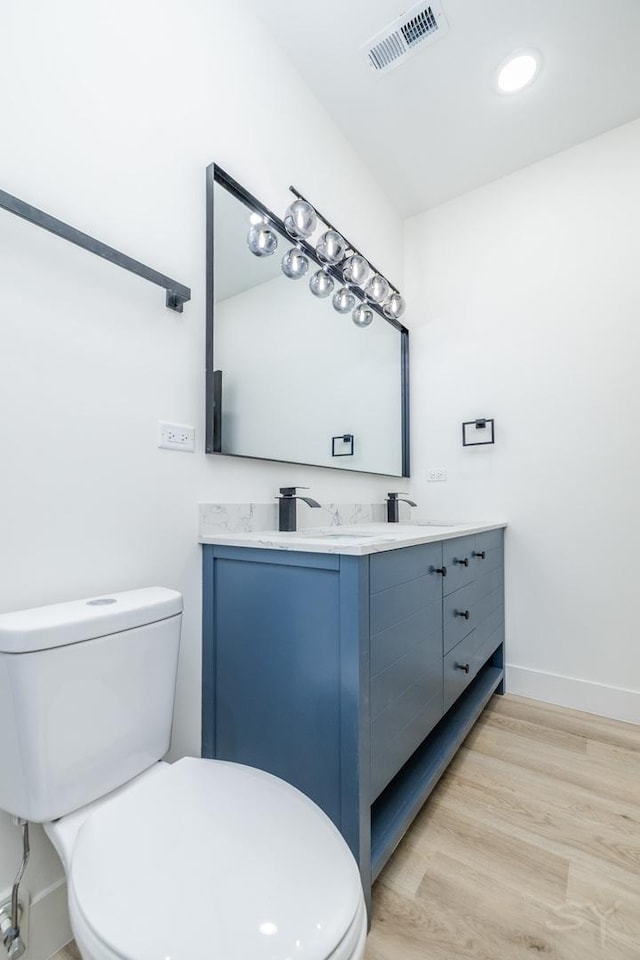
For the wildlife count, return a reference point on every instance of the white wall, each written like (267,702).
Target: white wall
(528,292)
(110,112)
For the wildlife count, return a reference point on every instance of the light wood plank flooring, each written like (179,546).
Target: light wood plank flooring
(529,846)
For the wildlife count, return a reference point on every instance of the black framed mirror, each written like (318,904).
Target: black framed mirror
(288,378)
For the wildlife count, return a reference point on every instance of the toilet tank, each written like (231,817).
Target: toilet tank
(86,697)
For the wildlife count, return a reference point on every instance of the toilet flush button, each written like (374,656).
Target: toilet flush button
(101,602)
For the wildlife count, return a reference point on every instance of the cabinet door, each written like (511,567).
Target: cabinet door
(276,672)
(405,655)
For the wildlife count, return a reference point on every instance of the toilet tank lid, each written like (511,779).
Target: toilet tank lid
(61,624)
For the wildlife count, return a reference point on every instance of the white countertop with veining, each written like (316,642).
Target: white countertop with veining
(356,539)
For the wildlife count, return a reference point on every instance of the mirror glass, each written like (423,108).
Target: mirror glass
(289,378)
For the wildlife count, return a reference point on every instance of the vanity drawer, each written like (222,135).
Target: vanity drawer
(456,557)
(489,582)
(489,540)
(465,660)
(459,615)
(487,553)
(460,667)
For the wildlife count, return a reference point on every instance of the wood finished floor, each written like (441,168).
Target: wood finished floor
(529,846)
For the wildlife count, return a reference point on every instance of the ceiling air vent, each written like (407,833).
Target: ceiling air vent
(405,36)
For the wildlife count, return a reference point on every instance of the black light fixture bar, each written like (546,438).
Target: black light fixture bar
(350,245)
(177,293)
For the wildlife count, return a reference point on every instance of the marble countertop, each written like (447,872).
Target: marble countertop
(356,539)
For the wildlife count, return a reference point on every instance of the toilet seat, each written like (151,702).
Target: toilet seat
(208,860)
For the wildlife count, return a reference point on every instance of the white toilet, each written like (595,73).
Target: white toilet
(196,860)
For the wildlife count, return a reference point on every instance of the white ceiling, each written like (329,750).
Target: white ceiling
(435,127)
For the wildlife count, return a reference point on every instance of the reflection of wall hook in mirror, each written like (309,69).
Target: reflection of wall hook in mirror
(342,445)
(477,433)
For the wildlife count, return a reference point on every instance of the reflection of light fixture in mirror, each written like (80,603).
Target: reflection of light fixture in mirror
(343,300)
(362,315)
(261,240)
(330,247)
(321,284)
(300,219)
(294,264)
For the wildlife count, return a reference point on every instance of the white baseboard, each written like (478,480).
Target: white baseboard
(49,927)
(615,702)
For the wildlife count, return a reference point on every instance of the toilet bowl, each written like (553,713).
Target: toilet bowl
(194,860)
(207,859)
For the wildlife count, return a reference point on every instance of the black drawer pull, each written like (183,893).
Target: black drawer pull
(442,570)
(462,613)
(479,553)
(463,563)
(462,666)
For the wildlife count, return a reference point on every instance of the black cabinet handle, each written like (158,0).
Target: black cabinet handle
(464,562)
(442,570)
(479,553)
(462,666)
(462,613)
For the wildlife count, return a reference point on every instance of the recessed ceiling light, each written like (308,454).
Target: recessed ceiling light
(518,71)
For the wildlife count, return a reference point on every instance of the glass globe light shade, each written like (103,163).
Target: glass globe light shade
(355,270)
(343,300)
(330,247)
(376,289)
(294,264)
(362,315)
(321,284)
(394,307)
(261,240)
(300,219)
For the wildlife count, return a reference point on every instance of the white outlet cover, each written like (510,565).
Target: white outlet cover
(436,474)
(176,436)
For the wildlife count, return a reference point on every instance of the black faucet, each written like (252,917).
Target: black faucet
(287,507)
(393,513)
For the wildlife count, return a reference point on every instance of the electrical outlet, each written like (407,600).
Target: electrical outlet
(434,475)
(176,436)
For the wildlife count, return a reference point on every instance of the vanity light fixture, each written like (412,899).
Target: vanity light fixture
(518,71)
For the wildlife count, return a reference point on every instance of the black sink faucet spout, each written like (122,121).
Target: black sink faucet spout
(393,501)
(287,507)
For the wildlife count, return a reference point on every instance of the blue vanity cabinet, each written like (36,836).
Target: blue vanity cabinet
(338,673)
